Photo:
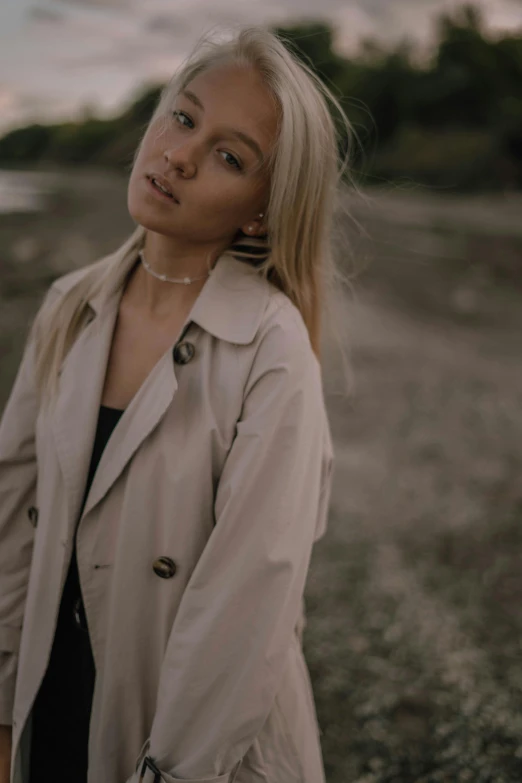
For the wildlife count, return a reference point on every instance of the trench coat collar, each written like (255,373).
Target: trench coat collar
(230,306)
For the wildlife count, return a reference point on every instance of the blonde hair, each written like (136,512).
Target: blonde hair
(297,254)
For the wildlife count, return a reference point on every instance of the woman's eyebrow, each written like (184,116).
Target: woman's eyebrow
(244,137)
(194,98)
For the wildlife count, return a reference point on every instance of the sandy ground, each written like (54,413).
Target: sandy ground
(413,639)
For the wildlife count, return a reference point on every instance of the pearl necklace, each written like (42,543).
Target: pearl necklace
(184,280)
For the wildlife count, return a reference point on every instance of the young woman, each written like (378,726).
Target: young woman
(165,454)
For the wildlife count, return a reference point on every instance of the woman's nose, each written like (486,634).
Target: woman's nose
(179,159)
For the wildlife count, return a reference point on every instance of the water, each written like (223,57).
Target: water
(25,191)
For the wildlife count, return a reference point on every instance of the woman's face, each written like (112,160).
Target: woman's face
(210,152)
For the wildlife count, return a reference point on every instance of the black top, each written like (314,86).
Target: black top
(62,709)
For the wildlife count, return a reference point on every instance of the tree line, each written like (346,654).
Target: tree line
(454,121)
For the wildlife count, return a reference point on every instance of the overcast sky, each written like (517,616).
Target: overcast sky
(57,57)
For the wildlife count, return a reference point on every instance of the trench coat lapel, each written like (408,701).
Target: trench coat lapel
(139,419)
(230,306)
(75,415)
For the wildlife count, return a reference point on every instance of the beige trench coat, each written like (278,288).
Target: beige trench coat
(223,464)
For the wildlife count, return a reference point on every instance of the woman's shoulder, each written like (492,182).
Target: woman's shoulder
(64,283)
(283,321)
(282,340)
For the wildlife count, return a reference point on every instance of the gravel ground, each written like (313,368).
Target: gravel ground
(414,629)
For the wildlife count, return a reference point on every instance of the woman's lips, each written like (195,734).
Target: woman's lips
(157,185)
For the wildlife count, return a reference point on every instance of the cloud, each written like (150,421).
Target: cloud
(103,4)
(8,100)
(21,107)
(45,15)
(166,24)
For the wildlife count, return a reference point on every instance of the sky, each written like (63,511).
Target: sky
(59,58)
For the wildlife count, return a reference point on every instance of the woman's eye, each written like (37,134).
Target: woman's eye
(180,116)
(231,160)
(184,120)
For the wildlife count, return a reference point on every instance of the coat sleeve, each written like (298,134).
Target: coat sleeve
(226,653)
(17,496)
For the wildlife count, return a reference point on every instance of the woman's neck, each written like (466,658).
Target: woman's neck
(167,256)
(159,299)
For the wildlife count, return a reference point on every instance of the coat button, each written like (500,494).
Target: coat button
(183,353)
(164,567)
(32,513)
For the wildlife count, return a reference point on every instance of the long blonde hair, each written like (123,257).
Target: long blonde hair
(297,253)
